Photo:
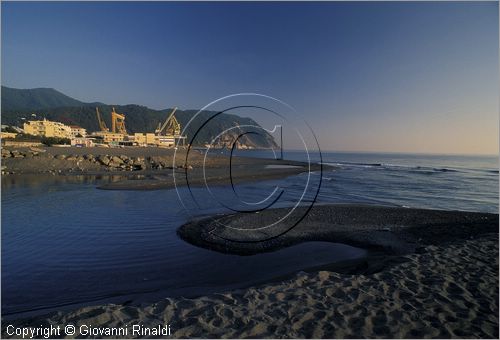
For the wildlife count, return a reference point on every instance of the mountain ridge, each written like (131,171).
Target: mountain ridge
(37,98)
(139,118)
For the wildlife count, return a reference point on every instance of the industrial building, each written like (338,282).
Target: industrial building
(108,137)
(144,139)
(167,134)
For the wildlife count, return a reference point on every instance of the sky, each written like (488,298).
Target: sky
(392,77)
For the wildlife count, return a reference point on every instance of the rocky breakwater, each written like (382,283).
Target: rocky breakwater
(39,161)
(118,163)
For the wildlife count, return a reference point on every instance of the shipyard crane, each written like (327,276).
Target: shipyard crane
(170,127)
(102,124)
(118,123)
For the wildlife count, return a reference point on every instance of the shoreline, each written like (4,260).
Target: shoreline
(444,284)
(147,168)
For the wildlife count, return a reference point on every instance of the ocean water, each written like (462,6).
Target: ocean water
(449,182)
(65,243)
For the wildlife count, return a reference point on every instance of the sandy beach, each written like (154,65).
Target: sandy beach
(441,287)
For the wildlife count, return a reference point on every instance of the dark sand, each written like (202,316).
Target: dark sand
(431,274)
(392,230)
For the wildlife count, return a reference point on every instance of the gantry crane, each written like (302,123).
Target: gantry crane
(102,124)
(118,123)
(171,127)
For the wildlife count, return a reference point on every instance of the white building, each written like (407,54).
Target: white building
(77,131)
(82,141)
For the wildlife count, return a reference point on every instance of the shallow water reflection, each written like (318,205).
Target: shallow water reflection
(65,242)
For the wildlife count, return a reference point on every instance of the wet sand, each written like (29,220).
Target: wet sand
(430,274)
(245,170)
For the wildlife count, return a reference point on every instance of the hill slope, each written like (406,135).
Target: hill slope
(33,99)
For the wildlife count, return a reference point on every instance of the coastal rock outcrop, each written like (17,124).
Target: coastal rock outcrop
(72,162)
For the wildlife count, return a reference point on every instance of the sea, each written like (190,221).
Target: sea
(66,243)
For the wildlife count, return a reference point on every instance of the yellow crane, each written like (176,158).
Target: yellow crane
(171,127)
(102,124)
(118,123)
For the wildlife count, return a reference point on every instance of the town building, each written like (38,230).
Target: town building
(82,141)
(78,131)
(47,128)
(4,135)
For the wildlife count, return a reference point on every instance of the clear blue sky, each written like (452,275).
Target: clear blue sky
(416,77)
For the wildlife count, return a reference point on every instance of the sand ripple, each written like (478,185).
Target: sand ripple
(442,291)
